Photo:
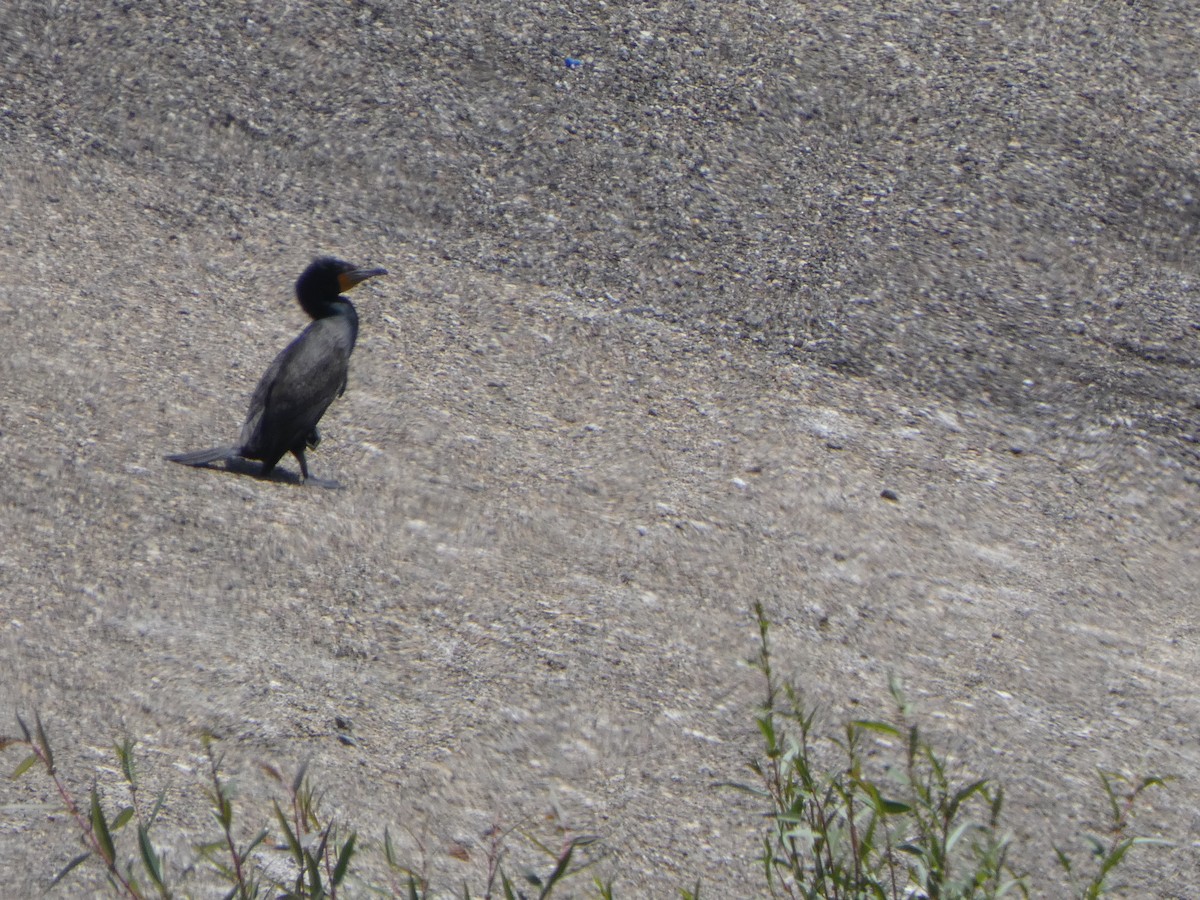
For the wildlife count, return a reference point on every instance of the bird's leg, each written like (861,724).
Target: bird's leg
(298,452)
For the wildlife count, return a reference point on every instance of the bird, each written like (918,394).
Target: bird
(306,376)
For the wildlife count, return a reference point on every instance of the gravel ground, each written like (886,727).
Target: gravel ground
(660,329)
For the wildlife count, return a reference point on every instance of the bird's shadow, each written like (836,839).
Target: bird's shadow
(244,467)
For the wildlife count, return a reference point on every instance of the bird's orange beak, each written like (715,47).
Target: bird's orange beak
(347,280)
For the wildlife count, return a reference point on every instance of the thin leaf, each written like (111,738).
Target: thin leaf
(879,727)
(1154,842)
(298,781)
(125,756)
(122,818)
(766,725)
(956,834)
(159,802)
(996,801)
(223,810)
(1013,884)
(1099,847)
(213,857)
(150,859)
(745,788)
(313,866)
(258,839)
(24,729)
(25,766)
(343,860)
(100,830)
(1150,781)
(1113,859)
(881,804)
(315,858)
(44,742)
(961,796)
(71,865)
(559,870)
(896,688)
(292,841)
(389,851)
(272,772)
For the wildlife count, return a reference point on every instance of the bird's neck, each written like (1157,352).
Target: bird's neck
(324,307)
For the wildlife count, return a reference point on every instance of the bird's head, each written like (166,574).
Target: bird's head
(326,277)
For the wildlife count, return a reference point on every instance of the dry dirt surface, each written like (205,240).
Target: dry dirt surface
(660,330)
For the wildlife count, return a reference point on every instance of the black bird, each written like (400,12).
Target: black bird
(305,378)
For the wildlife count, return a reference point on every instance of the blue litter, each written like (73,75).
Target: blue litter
(573,63)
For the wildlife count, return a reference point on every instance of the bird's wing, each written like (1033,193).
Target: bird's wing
(298,387)
(262,394)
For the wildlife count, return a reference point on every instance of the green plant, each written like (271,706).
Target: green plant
(96,829)
(1108,852)
(407,882)
(560,859)
(912,830)
(862,829)
(320,859)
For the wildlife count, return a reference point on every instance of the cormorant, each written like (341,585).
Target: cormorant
(305,377)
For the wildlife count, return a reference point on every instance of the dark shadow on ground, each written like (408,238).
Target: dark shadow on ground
(240,466)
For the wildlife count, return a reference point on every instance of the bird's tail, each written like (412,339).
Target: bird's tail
(204,457)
